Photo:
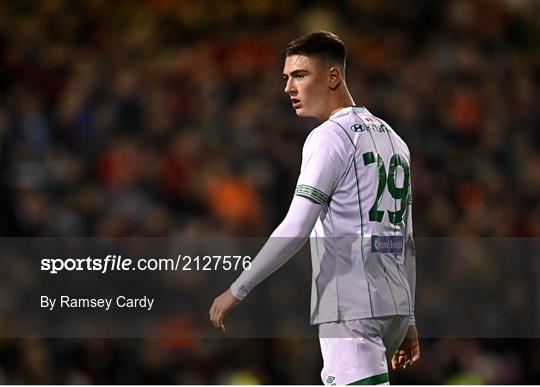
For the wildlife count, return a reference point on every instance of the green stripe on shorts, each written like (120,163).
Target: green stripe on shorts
(376,379)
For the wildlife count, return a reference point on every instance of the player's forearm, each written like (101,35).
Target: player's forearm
(272,256)
(284,242)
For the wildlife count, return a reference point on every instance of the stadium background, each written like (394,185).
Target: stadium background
(158,118)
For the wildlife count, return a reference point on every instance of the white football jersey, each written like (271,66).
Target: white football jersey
(358,169)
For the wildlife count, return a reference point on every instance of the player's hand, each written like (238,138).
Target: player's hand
(409,350)
(221,306)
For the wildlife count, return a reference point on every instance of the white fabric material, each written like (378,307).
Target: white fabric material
(349,280)
(358,349)
(284,242)
(336,193)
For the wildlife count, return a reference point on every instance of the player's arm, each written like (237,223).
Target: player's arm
(409,350)
(299,222)
(410,254)
(322,164)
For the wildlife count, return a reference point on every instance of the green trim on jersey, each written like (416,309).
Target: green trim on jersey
(312,193)
(408,202)
(376,379)
(409,199)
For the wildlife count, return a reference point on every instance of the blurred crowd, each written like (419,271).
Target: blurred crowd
(168,118)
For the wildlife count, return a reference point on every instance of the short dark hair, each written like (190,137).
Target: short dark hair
(322,44)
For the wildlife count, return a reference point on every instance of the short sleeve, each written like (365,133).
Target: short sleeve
(323,163)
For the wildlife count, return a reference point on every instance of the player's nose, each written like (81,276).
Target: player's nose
(289,89)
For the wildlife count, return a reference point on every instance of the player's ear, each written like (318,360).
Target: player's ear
(334,78)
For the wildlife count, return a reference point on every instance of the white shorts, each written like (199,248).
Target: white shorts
(358,351)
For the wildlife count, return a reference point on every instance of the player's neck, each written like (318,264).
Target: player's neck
(342,99)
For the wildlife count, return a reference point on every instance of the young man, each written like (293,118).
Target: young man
(354,198)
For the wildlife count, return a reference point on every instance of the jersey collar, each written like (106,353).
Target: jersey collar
(345,109)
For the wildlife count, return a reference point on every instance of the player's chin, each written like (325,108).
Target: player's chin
(300,112)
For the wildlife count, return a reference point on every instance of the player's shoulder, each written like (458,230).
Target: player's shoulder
(329,133)
(338,127)
(356,121)
(345,119)
(351,123)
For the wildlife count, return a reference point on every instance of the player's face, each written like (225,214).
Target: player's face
(307,85)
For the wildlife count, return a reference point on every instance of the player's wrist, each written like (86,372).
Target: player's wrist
(236,293)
